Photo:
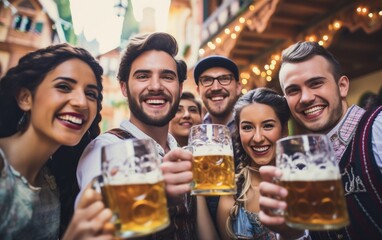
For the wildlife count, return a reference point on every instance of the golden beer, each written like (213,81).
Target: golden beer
(213,171)
(315,205)
(138,209)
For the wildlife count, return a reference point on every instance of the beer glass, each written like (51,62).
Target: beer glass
(132,186)
(213,165)
(311,175)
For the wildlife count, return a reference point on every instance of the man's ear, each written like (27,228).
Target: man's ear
(180,89)
(123,86)
(239,87)
(24,99)
(343,85)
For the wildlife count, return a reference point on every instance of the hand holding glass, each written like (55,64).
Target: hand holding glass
(311,175)
(133,187)
(213,166)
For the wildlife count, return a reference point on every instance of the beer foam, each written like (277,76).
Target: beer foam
(210,150)
(310,174)
(136,178)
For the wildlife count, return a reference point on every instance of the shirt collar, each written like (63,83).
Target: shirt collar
(231,122)
(346,128)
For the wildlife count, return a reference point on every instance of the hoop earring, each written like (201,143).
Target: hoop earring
(21,125)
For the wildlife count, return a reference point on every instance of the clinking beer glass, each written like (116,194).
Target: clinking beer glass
(311,175)
(213,165)
(132,186)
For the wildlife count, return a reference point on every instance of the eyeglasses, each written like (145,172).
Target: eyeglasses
(224,80)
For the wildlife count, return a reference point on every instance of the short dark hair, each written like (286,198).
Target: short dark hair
(191,97)
(368,100)
(150,41)
(302,51)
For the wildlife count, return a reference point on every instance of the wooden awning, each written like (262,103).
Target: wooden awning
(254,39)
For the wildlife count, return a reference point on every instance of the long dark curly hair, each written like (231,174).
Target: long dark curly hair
(279,104)
(29,73)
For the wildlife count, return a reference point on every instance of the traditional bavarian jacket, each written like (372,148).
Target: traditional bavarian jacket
(361,176)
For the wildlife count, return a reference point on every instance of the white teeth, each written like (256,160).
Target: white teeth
(71,118)
(217,98)
(155,101)
(261,149)
(313,110)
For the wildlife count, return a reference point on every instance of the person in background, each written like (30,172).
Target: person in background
(368,100)
(315,89)
(261,118)
(189,114)
(218,85)
(152,80)
(50,99)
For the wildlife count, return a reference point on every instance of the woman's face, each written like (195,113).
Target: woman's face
(187,116)
(64,104)
(259,129)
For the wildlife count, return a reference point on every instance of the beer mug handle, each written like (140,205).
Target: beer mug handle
(97,183)
(277,211)
(188,148)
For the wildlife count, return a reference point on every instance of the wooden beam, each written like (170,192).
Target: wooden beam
(303,6)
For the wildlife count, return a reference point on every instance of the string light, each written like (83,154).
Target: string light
(322,35)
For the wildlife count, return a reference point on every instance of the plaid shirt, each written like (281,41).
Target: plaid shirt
(343,132)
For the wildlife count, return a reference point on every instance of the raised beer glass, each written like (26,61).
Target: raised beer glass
(133,187)
(213,166)
(311,175)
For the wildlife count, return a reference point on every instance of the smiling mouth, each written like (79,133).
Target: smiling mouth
(155,101)
(314,110)
(217,98)
(261,149)
(71,119)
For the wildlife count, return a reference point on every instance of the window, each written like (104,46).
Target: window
(22,23)
(38,27)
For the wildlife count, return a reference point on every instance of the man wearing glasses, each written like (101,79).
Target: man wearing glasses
(218,85)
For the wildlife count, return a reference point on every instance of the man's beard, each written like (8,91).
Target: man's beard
(137,111)
(222,113)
